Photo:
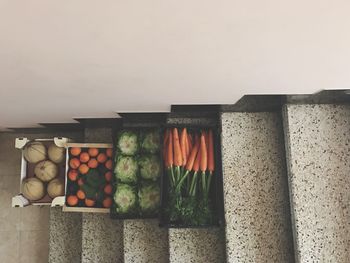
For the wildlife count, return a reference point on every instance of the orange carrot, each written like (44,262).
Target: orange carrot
(187,148)
(192,157)
(183,137)
(197,161)
(211,161)
(177,148)
(206,136)
(170,156)
(189,142)
(203,150)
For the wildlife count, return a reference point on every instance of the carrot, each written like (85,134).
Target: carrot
(177,148)
(206,136)
(187,148)
(189,143)
(211,164)
(191,159)
(195,168)
(197,160)
(203,150)
(170,155)
(183,137)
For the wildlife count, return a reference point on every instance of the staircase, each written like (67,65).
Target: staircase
(286,196)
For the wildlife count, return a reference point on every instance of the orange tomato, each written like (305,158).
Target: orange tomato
(109,152)
(108,176)
(84,157)
(93,152)
(101,158)
(83,169)
(89,202)
(93,163)
(75,151)
(108,189)
(72,200)
(107,202)
(81,194)
(73,175)
(109,164)
(80,182)
(74,163)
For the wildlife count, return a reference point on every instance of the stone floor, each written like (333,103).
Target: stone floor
(24,232)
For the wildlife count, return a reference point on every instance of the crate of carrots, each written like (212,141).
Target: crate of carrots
(88,177)
(192,181)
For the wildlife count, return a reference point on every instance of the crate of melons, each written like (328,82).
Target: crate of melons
(42,172)
(88,178)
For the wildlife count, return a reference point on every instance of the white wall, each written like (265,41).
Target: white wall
(64,59)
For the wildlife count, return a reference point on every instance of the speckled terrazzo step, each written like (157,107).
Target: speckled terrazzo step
(64,237)
(318,154)
(257,213)
(145,242)
(197,245)
(102,237)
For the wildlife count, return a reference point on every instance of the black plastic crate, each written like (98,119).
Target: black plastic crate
(216,192)
(138,126)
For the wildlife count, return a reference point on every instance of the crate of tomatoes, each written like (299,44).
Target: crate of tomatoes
(88,177)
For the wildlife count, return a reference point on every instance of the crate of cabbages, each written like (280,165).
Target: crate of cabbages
(88,177)
(137,172)
(42,178)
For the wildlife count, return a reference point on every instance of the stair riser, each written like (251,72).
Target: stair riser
(318,151)
(258,227)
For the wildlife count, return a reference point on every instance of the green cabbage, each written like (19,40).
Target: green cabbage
(125,198)
(128,143)
(149,197)
(149,167)
(126,169)
(151,142)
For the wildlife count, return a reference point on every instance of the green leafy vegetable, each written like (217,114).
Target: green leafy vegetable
(149,197)
(151,142)
(149,167)
(94,179)
(126,169)
(125,198)
(128,143)
(89,191)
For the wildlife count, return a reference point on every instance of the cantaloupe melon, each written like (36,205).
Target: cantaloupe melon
(35,152)
(46,170)
(56,154)
(33,189)
(55,188)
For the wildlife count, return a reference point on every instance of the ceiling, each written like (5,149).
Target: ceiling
(84,58)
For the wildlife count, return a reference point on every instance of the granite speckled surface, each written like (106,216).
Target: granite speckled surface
(318,147)
(145,242)
(64,237)
(102,239)
(197,245)
(257,212)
